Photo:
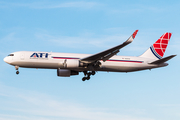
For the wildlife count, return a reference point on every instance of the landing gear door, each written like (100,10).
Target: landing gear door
(22,56)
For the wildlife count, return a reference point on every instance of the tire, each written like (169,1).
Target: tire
(84,78)
(93,72)
(17,72)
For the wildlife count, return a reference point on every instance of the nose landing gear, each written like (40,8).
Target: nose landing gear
(17,67)
(17,72)
(88,74)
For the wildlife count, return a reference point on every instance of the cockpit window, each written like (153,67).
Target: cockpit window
(11,55)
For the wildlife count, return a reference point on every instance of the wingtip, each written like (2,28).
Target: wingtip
(174,55)
(134,34)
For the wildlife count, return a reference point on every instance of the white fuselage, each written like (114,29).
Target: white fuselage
(52,60)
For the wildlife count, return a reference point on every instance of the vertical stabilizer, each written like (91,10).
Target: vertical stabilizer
(157,50)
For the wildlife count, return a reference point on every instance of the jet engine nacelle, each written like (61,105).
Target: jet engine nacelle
(66,72)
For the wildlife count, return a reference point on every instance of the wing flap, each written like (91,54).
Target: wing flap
(105,55)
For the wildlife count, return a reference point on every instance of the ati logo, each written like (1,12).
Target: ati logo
(39,55)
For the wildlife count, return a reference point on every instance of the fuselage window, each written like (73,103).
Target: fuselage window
(11,55)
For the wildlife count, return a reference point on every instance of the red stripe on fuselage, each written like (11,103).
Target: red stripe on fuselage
(64,58)
(125,61)
(130,61)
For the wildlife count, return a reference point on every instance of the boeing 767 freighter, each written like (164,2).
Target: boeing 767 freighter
(68,64)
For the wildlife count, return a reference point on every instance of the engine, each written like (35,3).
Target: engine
(66,72)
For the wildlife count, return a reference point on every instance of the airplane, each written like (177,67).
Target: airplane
(68,64)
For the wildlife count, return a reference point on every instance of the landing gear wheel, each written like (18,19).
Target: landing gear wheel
(84,78)
(87,75)
(17,72)
(93,72)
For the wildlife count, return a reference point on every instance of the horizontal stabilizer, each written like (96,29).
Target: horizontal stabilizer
(163,60)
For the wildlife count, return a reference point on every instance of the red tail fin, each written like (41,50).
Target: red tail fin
(159,47)
(157,50)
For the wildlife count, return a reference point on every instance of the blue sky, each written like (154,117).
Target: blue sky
(82,26)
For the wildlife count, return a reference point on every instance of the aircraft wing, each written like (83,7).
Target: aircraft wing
(105,55)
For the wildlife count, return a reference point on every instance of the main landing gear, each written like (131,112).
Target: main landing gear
(87,75)
(17,67)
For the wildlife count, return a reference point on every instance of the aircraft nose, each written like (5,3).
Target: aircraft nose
(6,60)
